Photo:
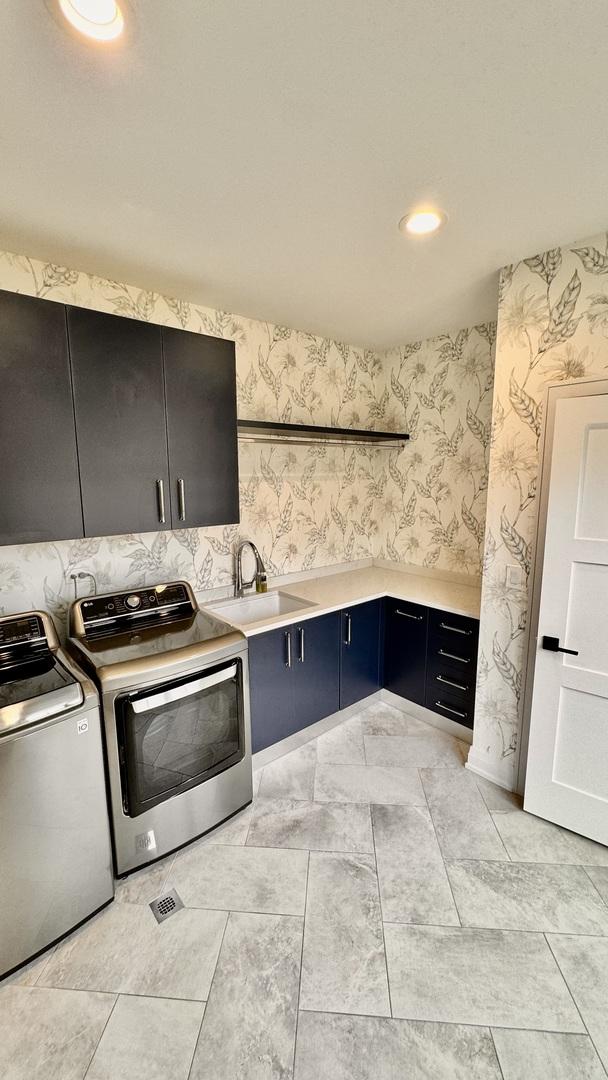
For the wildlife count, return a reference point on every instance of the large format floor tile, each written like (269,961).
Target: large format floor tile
(374,1048)
(148,1039)
(313,825)
(49,1034)
(464,976)
(367,783)
(497,798)
(599,877)
(248,1032)
(465,828)
(124,950)
(144,885)
(381,719)
(432,750)
(584,965)
(291,776)
(343,745)
(527,896)
(343,962)
(546,1055)
(243,879)
(531,839)
(414,886)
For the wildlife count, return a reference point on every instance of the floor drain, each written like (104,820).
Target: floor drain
(166,905)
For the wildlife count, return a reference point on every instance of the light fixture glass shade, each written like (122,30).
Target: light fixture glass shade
(101,20)
(421,222)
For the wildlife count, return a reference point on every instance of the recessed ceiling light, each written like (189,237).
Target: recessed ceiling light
(421,222)
(101,20)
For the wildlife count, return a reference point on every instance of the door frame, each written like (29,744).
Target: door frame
(555,391)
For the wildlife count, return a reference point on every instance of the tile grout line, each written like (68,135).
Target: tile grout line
(196,1041)
(295,1037)
(211,981)
(498,1061)
(442,856)
(574,1001)
(602,898)
(110,1015)
(388,981)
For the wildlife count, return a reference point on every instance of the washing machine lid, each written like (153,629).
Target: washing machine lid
(34,684)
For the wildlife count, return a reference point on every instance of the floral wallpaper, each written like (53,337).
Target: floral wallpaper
(552,326)
(433,492)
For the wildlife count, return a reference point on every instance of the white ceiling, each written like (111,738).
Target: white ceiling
(257,155)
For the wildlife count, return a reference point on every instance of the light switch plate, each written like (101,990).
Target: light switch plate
(514,576)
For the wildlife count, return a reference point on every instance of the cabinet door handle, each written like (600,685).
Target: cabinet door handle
(407,615)
(301,635)
(181,499)
(349,630)
(288,648)
(455,629)
(448,682)
(452,656)
(160,501)
(446,708)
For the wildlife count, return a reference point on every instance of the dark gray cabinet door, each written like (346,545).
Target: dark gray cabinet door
(271,687)
(120,422)
(316,669)
(200,387)
(360,652)
(405,636)
(39,492)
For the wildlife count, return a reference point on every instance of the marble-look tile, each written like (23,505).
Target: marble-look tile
(465,829)
(498,798)
(243,879)
(414,886)
(257,777)
(584,964)
(248,1031)
(232,831)
(291,776)
(343,745)
(343,963)
(315,826)
(124,950)
(144,885)
(367,784)
(361,1047)
(532,839)
(485,977)
(381,719)
(546,1055)
(527,896)
(599,877)
(49,1034)
(148,1039)
(30,973)
(430,751)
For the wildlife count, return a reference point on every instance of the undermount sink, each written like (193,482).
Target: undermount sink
(258,606)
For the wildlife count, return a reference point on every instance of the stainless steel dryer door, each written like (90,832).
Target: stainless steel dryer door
(178,734)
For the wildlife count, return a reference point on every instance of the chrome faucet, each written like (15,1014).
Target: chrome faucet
(260,570)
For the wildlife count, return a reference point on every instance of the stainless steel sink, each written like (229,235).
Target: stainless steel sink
(258,606)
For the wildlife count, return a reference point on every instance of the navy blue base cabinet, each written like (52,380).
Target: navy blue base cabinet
(360,652)
(294,678)
(405,640)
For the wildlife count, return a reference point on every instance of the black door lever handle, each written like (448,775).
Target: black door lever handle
(553,645)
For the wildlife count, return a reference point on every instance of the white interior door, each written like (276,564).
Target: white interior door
(567,768)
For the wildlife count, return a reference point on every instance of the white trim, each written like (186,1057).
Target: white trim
(300,738)
(422,713)
(486,773)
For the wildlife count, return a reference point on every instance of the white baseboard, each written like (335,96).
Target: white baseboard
(480,768)
(300,738)
(422,713)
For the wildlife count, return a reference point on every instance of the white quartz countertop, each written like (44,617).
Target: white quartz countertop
(332,592)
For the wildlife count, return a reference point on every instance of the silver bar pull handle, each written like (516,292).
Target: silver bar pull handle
(407,615)
(160,501)
(446,708)
(181,499)
(449,682)
(349,630)
(455,629)
(452,656)
(301,634)
(166,697)
(288,648)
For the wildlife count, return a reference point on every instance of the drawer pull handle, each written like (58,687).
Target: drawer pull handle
(301,634)
(452,656)
(448,682)
(455,629)
(287,648)
(349,630)
(407,615)
(446,708)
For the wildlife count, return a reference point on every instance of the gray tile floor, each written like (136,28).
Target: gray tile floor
(379,912)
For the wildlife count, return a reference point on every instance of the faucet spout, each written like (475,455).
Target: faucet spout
(239,584)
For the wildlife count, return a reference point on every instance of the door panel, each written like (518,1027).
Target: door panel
(271,687)
(405,631)
(316,669)
(200,387)
(567,778)
(120,419)
(39,488)
(360,652)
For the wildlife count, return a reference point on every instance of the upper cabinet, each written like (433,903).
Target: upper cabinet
(39,490)
(110,425)
(200,385)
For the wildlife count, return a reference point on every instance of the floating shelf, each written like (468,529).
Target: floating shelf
(310,434)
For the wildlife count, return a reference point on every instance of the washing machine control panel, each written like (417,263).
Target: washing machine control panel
(150,606)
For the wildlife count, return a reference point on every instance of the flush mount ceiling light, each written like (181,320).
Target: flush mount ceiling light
(101,20)
(422,222)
